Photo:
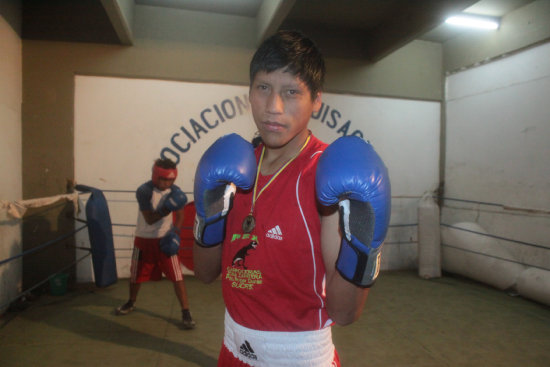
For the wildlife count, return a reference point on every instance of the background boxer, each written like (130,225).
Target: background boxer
(304,273)
(157,239)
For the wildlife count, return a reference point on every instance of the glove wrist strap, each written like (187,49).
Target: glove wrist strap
(355,265)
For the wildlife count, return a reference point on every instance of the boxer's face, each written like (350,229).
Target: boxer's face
(282,106)
(164,183)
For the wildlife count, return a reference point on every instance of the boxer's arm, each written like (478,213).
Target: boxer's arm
(207,262)
(351,176)
(345,301)
(151,217)
(144,194)
(226,165)
(174,202)
(170,243)
(179,217)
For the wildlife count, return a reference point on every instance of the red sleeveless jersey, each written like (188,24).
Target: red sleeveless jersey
(273,278)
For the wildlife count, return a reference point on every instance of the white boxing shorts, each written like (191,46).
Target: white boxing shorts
(279,349)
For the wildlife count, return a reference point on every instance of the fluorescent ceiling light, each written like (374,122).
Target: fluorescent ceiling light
(473,21)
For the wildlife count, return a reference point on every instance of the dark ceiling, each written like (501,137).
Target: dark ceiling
(67,20)
(366,29)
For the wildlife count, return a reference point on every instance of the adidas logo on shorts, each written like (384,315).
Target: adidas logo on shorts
(247,351)
(275,233)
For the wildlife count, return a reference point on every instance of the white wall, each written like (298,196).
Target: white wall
(10,156)
(498,150)
(122,125)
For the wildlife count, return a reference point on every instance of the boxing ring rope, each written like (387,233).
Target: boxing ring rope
(17,210)
(44,245)
(493,257)
(132,224)
(506,208)
(496,237)
(100,236)
(405,225)
(517,266)
(503,206)
(24,292)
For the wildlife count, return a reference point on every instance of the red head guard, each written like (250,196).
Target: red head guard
(166,173)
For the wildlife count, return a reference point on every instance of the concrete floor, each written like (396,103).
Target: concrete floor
(408,321)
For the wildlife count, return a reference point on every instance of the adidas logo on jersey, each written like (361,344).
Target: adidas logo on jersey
(275,233)
(247,351)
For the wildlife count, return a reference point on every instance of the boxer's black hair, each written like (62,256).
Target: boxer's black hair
(165,163)
(296,53)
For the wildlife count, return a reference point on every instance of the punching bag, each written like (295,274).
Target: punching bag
(100,231)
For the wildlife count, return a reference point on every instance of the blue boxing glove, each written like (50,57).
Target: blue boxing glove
(174,201)
(228,163)
(352,174)
(170,244)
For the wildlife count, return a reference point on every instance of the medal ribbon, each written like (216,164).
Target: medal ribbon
(254,197)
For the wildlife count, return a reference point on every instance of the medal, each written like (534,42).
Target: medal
(249,223)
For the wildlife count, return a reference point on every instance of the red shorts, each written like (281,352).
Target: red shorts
(227,359)
(149,262)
